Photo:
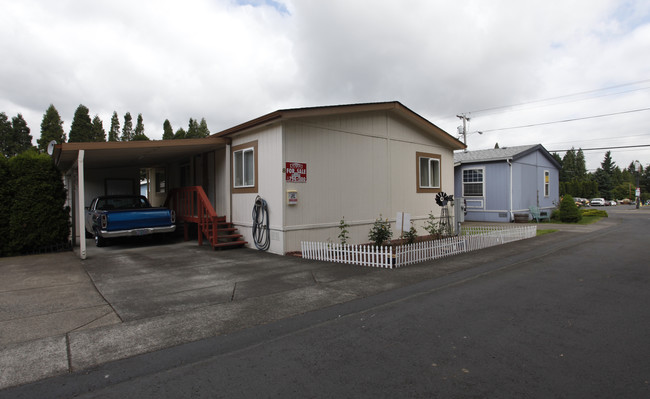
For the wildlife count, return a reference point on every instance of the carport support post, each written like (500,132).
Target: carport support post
(81,201)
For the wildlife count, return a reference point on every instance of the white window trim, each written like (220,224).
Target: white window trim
(243,151)
(431,178)
(462,182)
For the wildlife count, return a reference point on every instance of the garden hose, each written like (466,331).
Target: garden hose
(261,229)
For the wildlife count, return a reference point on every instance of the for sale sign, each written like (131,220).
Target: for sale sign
(296,172)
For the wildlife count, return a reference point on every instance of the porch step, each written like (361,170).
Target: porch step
(229,244)
(220,236)
(193,206)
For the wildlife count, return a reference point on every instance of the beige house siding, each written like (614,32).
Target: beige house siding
(269,180)
(358,167)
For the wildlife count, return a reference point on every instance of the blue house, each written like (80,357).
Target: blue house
(500,182)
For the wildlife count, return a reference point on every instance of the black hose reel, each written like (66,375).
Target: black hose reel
(261,229)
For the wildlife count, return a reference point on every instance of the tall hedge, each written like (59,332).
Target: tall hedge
(33,203)
(5,205)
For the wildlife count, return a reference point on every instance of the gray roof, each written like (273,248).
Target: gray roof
(499,154)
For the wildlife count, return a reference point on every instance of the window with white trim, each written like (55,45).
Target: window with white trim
(428,168)
(244,168)
(473,182)
(547,183)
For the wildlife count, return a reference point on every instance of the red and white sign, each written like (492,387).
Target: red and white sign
(296,172)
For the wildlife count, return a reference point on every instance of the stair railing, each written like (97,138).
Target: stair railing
(191,204)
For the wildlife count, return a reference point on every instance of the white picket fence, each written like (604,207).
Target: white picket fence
(470,239)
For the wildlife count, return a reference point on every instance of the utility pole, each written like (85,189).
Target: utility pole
(465,119)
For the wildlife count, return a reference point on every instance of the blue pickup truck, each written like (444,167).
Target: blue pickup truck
(126,215)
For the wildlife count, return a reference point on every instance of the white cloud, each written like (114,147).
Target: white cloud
(234,60)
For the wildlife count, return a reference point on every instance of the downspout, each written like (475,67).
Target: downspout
(81,211)
(510,215)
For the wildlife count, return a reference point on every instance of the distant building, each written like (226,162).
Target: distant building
(499,182)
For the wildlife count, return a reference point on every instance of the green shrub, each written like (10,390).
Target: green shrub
(38,219)
(411,235)
(594,212)
(344,233)
(569,212)
(380,231)
(555,214)
(431,226)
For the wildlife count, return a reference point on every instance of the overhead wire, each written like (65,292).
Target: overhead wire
(566,120)
(506,108)
(566,96)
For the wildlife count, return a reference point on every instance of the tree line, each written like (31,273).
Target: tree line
(609,181)
(15,136)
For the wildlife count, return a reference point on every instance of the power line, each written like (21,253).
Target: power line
(566,120)
(555,103)
(560,97)
(604,148)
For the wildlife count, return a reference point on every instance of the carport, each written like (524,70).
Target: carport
(103,159)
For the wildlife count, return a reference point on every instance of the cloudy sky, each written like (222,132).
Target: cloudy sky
(504,63)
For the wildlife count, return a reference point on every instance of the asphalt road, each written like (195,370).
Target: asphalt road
(570,321)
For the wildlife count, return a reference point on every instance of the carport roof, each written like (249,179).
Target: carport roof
(144,154)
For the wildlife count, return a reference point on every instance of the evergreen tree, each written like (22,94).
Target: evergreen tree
(127,130)
(604,176)
(168,132)
(98,132)
(81,127)
(568,171)
(608,165)
(580,165)
(180,134)
(21,140)
(139,125)
(558,158)
(6,134)
(114,132)
(203,128)
(51,129)
(139,130)
(193,130)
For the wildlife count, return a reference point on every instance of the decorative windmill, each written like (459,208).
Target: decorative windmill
(442,199)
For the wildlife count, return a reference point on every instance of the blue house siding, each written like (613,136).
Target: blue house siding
(494,204)
(500,201)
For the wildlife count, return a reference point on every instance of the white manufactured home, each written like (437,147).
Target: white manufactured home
(311,166)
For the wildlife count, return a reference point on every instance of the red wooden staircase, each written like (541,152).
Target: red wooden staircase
(192,206)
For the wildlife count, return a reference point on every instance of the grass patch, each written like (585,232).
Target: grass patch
(589,219)
(591,215)
(594,212)
(541,232)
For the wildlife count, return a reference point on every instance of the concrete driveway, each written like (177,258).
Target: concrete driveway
(61,314)
(144,281)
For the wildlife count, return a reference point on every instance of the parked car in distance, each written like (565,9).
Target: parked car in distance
(613,203)
(597,202)
(126,215)
(581,201)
